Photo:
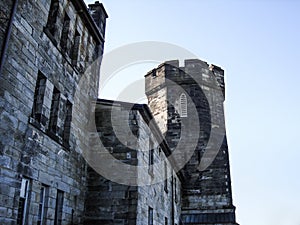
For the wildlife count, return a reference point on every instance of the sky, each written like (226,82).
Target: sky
(257,43)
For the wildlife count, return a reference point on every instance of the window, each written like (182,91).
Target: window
(23,202)
(42,102)
(166,177)
(151,157)
(59,207)
(37,110)
(67,124)
(150,216)
(183,105)
(53,12)
(42,205)
(64,40)
(175,189)
(166,220)
(54,111)
(154,73)
(75,49)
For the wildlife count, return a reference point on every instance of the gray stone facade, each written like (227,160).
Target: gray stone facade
(49,153)
(123,204)
(178,97)
(43,175)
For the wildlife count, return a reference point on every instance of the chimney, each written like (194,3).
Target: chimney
(99,15)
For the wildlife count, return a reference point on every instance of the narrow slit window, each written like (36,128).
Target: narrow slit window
(59,207)
(151,157)
(23,202)
(75,49)
(166,177)
(40,88)
(175,189)
(54,111)
(183,105)
(64,40)
(52,18)
(150,216)
(151,152)
(42,205)
(67,124)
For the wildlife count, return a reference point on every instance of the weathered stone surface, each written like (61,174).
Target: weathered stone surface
(46,87)
(112,203)
(205,194)
(29,148)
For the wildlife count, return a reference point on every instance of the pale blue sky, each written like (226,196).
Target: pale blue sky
(257,44)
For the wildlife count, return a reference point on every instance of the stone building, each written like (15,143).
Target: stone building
(46,47)
(178,97)
(154,196)
(50,163)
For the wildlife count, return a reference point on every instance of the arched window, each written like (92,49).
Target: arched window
(183,105)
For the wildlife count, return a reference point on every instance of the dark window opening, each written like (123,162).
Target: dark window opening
(154,73)
(175,189)
(67,124)
(166,177)
(75,49)
(37,110)
(150,216)
(166,220)
(59,207)
(23,202)
(52,17)
(64,40)
(151,157)
(54,112)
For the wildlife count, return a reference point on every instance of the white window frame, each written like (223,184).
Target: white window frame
(183,105)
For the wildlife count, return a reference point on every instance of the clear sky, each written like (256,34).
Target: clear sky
(257,43)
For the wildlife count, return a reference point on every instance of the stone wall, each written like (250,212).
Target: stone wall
(41,164)
(110,202)
(5,14)
(206,194)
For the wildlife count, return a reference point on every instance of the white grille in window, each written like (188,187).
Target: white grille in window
(183,105)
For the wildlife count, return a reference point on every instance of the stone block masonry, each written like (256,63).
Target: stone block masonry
(43,175)
(179,96)
(47,87)
(112,203)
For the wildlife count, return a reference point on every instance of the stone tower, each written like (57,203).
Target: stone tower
(187,104)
